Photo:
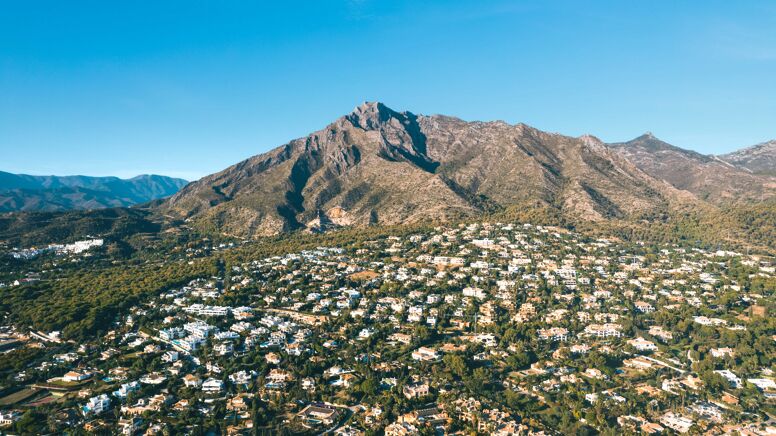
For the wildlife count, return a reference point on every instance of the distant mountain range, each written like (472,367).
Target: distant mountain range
(21,192)
(379,166)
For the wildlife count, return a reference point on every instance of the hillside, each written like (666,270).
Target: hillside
(21,192)
(710,178)
(379,166)
(759,159)
(40,228)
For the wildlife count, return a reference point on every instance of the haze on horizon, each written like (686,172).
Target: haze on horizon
(185,89)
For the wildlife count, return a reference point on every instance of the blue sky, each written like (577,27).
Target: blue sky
(188,88)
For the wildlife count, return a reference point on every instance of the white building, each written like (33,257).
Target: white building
(75,376)
(170,356)
(763,384)
(96,405)
(172,333)
(192,381)
(604,330)
(642,344)
(474,292)
(553,334)
(9,417)
(224,348)
(734,380)
(644,307)
(189,344)
(126,388)
(722,352)
(212,385)
(676,422)
(425,354)
(199,330)
(128,426)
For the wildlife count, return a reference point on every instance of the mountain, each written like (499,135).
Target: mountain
(759,159)
(379,166)
(21,192)
(717,180)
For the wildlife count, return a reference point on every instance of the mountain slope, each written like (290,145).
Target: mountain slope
(759,159)
(376,165)
(40,228)
(708,177)
(21,192)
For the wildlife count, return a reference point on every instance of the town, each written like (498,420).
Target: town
(475,328)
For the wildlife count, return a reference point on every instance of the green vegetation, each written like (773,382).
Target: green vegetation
(37,228)
(16,360)
(84,303)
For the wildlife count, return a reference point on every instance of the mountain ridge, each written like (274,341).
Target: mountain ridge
(376,165)
(22,192)
(709,177)
(759,158)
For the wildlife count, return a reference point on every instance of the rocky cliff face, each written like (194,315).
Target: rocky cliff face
(379,166)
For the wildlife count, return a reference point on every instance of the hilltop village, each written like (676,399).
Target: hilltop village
(488,328)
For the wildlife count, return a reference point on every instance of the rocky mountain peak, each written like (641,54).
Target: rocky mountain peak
(371,115)
(591,140)
(648,138)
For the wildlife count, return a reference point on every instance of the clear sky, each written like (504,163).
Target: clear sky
(186,88)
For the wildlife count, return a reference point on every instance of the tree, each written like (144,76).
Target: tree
(370,386)
(455,364)
(30,423)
